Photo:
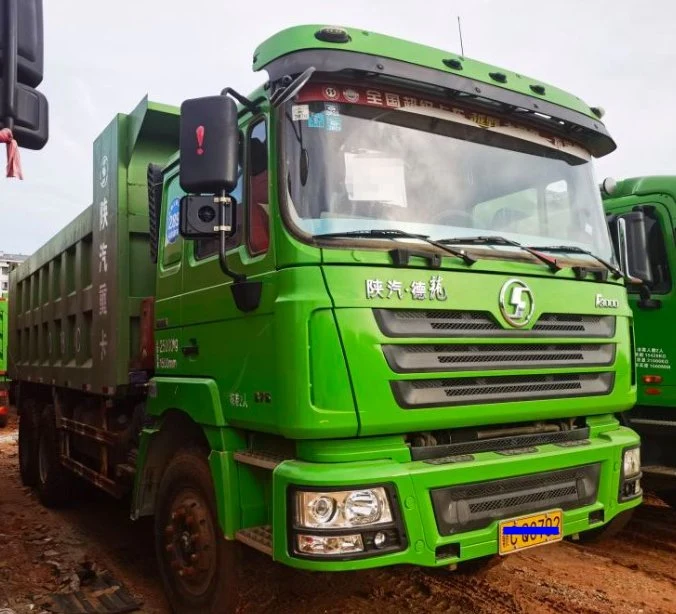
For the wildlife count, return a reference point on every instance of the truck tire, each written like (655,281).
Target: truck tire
(197,565)
(54,480)
(28,443)
(609,530)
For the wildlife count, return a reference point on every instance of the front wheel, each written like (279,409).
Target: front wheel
(197,565)
(609,530)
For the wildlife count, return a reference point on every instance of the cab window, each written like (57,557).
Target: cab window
(204,248)
(258,207)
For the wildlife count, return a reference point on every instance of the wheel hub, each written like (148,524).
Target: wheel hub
(190,543)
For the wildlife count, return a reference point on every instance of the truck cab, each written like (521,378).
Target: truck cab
(641,212)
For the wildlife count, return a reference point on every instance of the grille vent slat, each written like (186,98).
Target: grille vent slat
(456,323)
(468,357)
(411,394)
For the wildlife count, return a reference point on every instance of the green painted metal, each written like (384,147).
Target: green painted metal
(76,301)
(4,330)
(413,480)
(387,47)
(650,325)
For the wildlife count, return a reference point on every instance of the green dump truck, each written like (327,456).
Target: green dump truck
(4,380)
(641,212)
(367,315)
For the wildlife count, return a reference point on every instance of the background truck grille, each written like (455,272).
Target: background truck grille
(411,394)
(453,323)
(466,357)
(475,506)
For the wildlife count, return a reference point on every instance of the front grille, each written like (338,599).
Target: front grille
(411,394)
(454,323)
(475,506)
(476,357)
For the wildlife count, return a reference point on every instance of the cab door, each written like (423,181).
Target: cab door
(655,349)
(221,341)
(168,321)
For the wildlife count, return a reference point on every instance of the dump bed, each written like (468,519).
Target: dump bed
(75,304)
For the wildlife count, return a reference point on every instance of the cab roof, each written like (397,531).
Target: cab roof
(309,37)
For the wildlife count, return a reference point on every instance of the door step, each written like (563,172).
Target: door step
(256,458)
(259,538)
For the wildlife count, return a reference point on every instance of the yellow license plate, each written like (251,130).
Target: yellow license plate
(528,531)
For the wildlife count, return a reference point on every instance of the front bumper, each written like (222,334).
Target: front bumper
(413,482)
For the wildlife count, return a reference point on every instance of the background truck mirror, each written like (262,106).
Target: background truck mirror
(632,244)
(23,109)
(200,217)
(209,145)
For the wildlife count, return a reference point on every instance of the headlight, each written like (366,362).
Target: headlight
(631,462)
(343,509)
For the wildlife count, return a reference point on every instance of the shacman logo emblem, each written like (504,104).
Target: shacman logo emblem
(516,303)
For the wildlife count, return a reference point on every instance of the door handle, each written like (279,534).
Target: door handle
(191,350)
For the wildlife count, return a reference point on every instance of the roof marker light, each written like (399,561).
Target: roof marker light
(332,35)
(454,64)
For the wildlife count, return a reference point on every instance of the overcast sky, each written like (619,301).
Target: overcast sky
(101,58)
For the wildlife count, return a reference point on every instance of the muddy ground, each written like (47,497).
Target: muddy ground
(44,551)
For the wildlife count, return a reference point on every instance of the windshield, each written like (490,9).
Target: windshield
(361,159)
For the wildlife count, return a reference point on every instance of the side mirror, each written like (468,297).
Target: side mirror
(23,108)
(632,244)
(200,216)
(209,145)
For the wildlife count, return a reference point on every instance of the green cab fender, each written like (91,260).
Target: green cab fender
(199,396)
(187,412)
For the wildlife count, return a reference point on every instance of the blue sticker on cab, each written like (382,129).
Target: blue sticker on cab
(334,123)
(171,232)
(316,120)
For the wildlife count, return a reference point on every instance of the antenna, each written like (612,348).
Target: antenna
(462,49)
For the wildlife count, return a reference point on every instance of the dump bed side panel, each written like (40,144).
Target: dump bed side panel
(76,302)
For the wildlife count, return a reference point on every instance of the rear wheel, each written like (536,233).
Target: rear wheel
(28,443)
(54,480)
(609,530)
(197,565)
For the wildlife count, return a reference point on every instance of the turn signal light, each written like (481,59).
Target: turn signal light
(652,379)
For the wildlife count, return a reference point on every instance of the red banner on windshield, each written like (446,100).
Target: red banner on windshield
(374,97)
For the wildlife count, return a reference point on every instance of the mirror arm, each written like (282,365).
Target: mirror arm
(249,105)
(223,233)
(645,301)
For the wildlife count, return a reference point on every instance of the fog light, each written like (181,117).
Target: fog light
(329,544)
(631,462)
(379,539)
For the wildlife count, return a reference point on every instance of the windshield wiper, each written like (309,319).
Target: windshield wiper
(573,249)
(498,240)
(393,233)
